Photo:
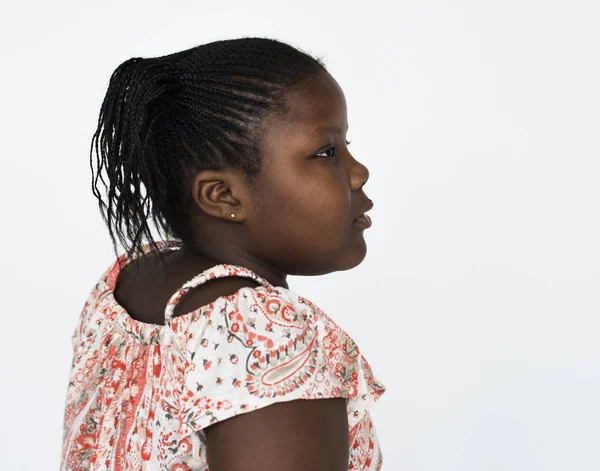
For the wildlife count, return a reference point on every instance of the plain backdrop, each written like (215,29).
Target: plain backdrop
(478,303)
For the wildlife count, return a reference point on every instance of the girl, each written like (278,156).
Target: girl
(192,349)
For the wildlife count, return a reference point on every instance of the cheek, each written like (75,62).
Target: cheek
(325,210)
(303,196)
(326,200)
(312,206)
(302,225)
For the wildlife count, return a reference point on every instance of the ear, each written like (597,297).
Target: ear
(218,193)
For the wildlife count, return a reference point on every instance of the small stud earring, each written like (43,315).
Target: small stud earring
(232,215)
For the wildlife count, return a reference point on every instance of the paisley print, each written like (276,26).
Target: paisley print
(140,395)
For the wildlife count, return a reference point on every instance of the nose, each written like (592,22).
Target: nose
(359,175)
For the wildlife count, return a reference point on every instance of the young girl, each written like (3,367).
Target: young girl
(192,349)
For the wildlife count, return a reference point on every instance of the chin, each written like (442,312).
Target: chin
(353,256)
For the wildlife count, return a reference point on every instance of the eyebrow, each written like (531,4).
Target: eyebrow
(327,129)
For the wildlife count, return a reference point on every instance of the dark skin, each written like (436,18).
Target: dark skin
(298,218)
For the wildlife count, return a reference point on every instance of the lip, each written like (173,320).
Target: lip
(364,221)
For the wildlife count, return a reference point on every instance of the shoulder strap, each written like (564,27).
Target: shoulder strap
(218,271)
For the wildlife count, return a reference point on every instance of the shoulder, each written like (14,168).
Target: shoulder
(212,292)
(263,345)
(272,343)
(273,315)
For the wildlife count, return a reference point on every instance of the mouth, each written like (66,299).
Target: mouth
(364,221)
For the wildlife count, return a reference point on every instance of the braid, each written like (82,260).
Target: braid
(166,118)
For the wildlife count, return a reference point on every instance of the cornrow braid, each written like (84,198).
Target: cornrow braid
(164,119)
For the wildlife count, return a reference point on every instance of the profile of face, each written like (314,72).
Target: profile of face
(310,190)
(299,216)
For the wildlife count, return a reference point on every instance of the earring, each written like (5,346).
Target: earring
(232,215)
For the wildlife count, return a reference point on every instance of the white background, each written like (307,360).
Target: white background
(478,303)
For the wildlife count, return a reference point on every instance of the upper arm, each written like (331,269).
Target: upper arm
(298,435)
(291,434)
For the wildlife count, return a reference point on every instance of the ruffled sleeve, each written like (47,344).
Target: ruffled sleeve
(261,346)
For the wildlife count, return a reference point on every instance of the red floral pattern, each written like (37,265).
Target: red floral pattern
(140,395)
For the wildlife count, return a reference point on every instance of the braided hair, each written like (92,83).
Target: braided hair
(163,119)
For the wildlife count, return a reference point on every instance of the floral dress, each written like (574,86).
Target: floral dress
(140,395)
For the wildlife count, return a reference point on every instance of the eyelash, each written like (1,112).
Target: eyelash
(330,149)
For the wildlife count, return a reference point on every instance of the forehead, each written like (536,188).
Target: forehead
(318,100)
(315,106)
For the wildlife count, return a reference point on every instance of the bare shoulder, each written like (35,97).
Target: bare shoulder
(288,436)
(145,285)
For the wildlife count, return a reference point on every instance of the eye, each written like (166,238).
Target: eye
(330,152)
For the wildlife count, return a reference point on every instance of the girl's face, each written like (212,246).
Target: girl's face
(310,188)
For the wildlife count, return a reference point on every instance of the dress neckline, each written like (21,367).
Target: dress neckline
(149,333)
